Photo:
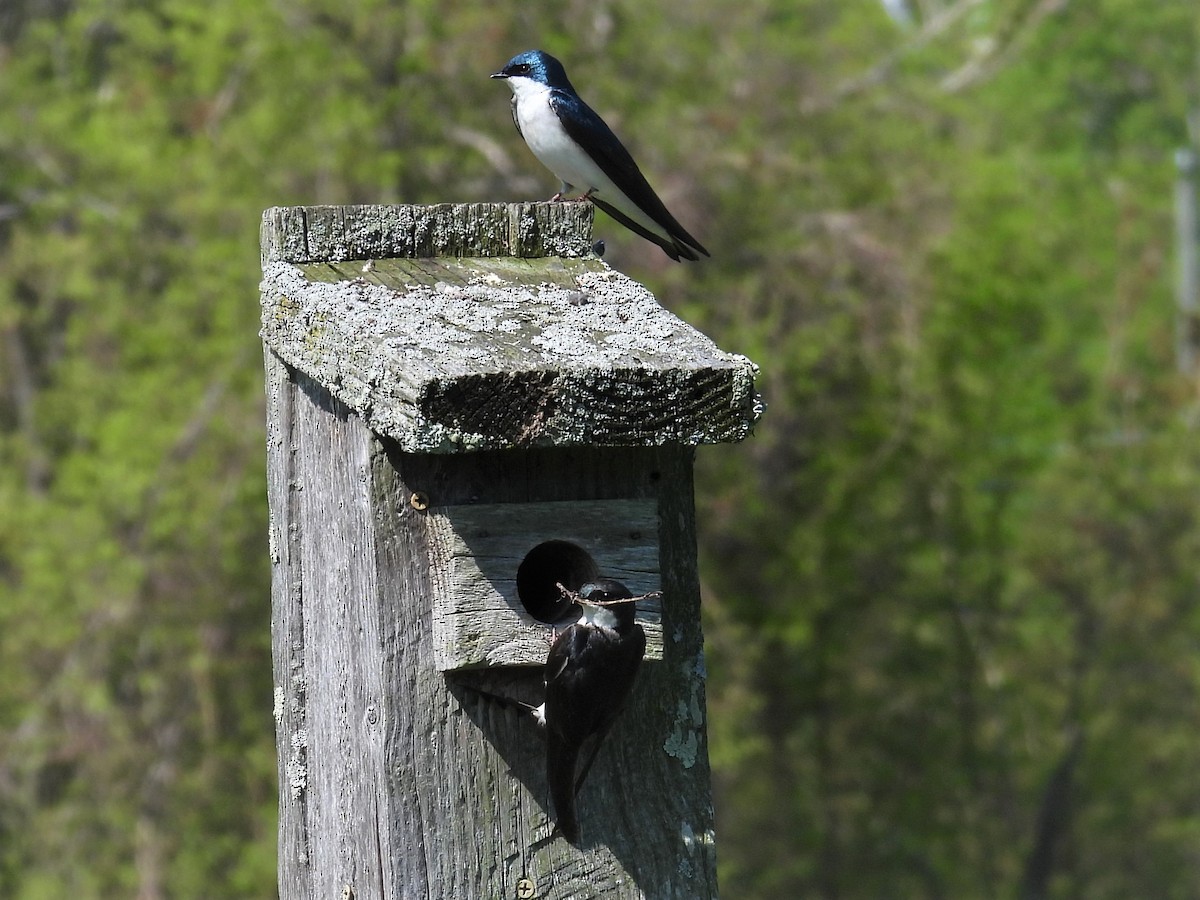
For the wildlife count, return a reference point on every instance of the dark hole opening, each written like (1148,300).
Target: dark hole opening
(546,566)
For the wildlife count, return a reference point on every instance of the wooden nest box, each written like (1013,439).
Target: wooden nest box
(466,407)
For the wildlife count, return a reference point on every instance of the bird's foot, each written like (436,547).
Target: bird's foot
(562,196)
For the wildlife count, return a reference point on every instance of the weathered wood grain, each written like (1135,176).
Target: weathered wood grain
(478,618)
(483,329)
(400,781)
(301,234)
(448,354)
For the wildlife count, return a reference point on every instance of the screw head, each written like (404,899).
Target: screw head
(526,889)
(419,501)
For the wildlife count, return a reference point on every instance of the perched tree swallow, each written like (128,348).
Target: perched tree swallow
(574,143)
(590,671)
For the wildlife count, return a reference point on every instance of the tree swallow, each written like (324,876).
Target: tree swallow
(574,143)
(590,671)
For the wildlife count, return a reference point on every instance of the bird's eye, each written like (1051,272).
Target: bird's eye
(521,68)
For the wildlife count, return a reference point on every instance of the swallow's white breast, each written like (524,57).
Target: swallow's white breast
(544,134)
(548,140)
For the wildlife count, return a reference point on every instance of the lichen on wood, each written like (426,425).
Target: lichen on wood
(451,353)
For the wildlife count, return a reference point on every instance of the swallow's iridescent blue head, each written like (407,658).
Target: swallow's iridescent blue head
(537,66)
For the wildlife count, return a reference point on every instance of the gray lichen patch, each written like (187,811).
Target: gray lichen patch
(448,354)
(683,742)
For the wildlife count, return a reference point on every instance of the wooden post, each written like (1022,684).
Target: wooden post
(454,393)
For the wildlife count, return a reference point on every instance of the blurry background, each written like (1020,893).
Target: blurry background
(951,585)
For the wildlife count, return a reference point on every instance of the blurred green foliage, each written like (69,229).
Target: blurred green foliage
(951,589)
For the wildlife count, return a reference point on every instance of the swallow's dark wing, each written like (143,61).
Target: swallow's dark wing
(567,723)
(576,683)
(561,759)
(673,249)
(626,658)
(587,129)
(584,702)
(513,108)
(589,675)
(559,655)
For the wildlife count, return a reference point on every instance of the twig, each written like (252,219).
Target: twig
(575,597)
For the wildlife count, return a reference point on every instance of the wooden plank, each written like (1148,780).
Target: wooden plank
(478,618)
(325,632)
(287,633)
(302,234)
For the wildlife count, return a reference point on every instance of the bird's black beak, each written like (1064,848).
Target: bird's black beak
(497,75)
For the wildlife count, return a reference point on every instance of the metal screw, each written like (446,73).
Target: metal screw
(526,889)
(372,715)
(347,892)
(419,500)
